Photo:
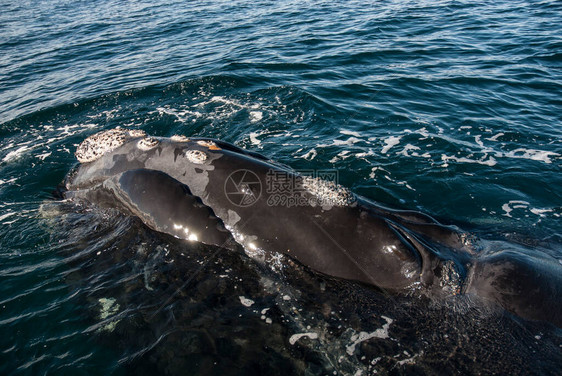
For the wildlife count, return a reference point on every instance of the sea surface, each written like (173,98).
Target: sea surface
(453,108)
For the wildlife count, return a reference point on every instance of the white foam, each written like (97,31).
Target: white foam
(254,138)
(541,212)
(4,216)
(478,140)
(15,154)
(519,204)
(374,170)
(110,114)
(12,180)
(389,142)
(341,155)
(43,156)
(69,130)
(409,360)
(245,301)
(365,154)
(405,183)
(221,99)
(409,147)
(183,115)
(349,141)
(495,138)
(295,337)
(491,161)
(423,132)
(350,133)
(364,336)
(223,107)
(410,151)
(533,154)
(514,204)
(312,153)
(255,116)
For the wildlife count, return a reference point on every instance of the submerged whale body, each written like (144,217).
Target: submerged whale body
(213,192)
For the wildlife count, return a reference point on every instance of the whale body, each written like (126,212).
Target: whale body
(206,190)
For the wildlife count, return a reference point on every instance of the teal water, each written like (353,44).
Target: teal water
(449,107)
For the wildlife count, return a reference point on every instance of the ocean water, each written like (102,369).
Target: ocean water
(452,108)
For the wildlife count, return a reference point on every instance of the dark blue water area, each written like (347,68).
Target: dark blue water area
(452,108)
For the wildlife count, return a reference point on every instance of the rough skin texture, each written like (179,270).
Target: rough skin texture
(98,144)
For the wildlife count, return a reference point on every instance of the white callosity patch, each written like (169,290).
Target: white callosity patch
(196,156)
(147,143)
(179,138)
(137,133)
(327,192)
(209,144)
(98,144)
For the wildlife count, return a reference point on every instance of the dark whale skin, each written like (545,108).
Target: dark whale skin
(188,188)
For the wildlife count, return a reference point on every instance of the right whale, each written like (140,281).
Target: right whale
(210,191)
